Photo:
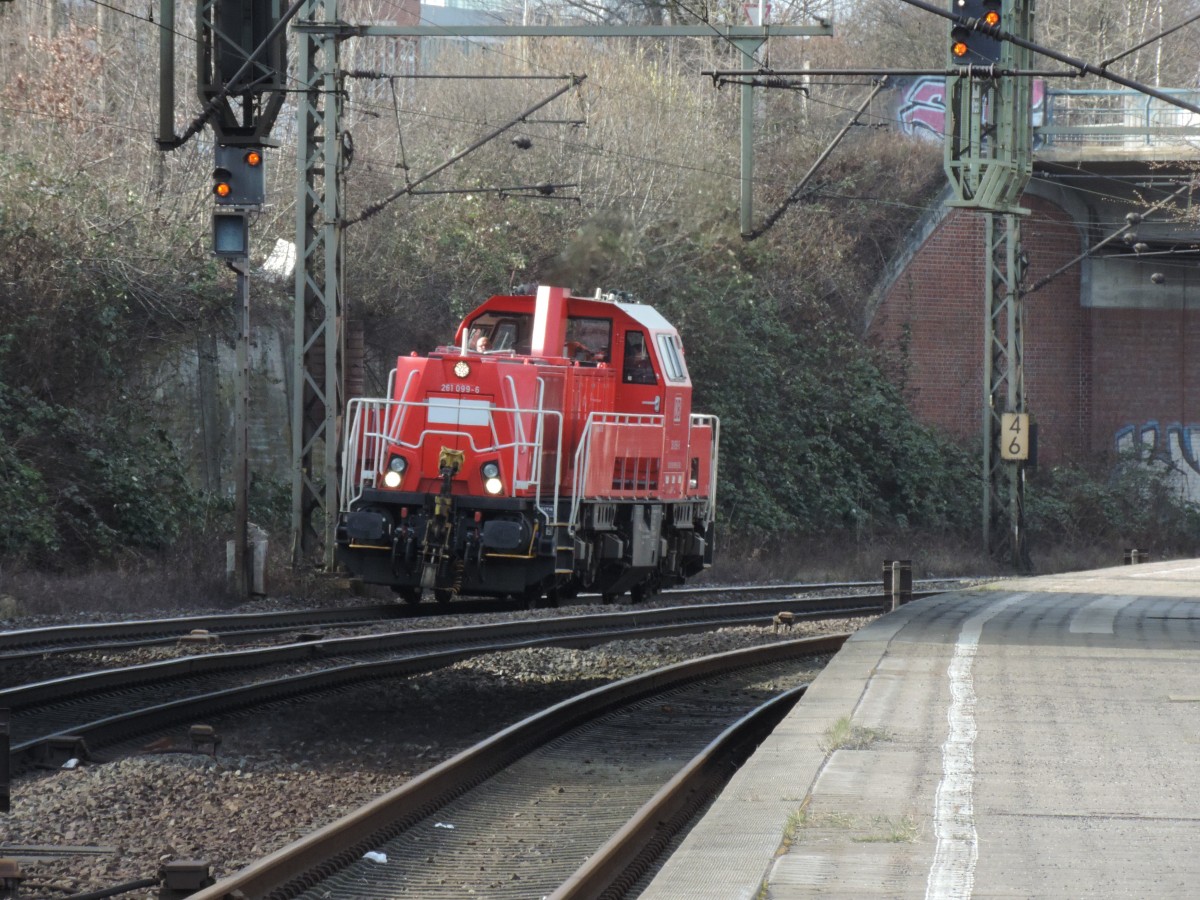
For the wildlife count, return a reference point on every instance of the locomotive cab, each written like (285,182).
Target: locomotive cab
(550,449)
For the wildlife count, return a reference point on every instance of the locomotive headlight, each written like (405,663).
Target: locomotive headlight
(395,471)
(491,477)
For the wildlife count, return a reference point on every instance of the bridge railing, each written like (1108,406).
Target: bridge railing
(1117,117)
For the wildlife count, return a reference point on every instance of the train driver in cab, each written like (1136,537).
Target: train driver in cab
(638,369)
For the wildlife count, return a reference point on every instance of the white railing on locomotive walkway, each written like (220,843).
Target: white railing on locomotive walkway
(712,423)
(584,453)
(377,424)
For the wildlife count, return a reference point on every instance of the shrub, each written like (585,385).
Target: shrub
(78,486)
(1134,504)
(814,435)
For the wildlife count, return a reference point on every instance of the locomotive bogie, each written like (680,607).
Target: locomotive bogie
(638,549)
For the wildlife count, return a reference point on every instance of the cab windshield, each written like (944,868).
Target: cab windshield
(496,332)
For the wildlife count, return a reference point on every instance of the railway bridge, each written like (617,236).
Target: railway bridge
(1112,285)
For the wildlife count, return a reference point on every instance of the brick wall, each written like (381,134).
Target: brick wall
(936,309)
(1141,370)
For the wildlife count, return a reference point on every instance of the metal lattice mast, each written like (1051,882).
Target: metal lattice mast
(317,348)
(1004,379)
(988,159)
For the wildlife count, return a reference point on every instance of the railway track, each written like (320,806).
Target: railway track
(54,719)
(296,750)
(42,643)
(608,776)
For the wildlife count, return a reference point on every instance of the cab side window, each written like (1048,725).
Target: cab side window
(588,340)
(637,367)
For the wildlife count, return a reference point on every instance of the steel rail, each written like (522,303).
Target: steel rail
(584,630)
(624,858)
(125,726)
(145,632)
(38,642)
(171,628)
(296,866)
(128,725)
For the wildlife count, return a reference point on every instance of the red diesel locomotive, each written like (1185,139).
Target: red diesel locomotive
(552,449)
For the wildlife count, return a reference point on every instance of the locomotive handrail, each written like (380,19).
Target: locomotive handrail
(349,477)
(374,441)
(583,453)
(519,426)
(541,435)
(707,420)
(398,424)
(535,475)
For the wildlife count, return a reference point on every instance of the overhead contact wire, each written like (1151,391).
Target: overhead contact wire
(575,81)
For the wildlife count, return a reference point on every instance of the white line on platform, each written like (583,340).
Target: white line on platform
(1155,574)
(952,874)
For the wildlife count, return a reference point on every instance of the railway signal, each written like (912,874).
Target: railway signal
(238,177)
(231,233)
(239,186)
(969,47)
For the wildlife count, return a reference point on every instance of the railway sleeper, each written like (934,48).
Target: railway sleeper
(55,751)
(181,878)
(11,877)
(204,739)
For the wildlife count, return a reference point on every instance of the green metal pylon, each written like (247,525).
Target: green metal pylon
(988,160)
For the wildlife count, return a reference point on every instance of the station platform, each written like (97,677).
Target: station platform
(1036,738)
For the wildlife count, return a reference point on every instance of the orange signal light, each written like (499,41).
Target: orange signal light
(959,49)
(254,158)
(992,17)
(222,189)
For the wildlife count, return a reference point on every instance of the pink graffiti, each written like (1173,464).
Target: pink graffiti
(923,107)
(1037,102)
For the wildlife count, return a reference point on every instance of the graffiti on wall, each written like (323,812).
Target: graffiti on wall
(921,105)
(1173,446)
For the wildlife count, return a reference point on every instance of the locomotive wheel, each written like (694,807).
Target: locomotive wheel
(609,599)
(408,594)
(443,595)
(644,591)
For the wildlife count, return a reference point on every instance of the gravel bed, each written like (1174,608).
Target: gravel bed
(58,665)
(281,773)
